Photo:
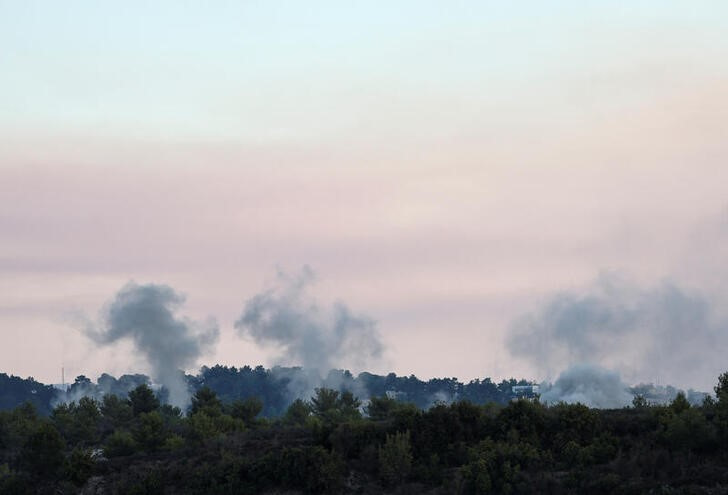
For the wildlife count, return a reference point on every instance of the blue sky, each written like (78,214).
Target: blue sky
(312,70)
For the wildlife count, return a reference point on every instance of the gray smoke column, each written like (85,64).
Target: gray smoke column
(662,333)
(146,315)
(313,336)
(589,385)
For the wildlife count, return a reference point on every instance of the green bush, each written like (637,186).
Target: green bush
(79,466)
(120,443)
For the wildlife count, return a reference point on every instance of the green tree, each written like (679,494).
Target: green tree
(689,430)
(395,458)
(311,469)
(380,408)
(679,403)
(524,419)
(201,427)
(142,400)
(477,476)
(721,405)
(149,431)
(246,410)
(62,417)
(42,454)
(116,412)
(495,467)
(171,416)
(572,422)
(206,401)
(15,428)
(120,443)
(86,421)
(639,402)
(298,412)
(324,402)
(721,390)
(79,466)
(348,406)
(332,407)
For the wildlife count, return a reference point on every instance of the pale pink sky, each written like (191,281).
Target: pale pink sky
(444,197)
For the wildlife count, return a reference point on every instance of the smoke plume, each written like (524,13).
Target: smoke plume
(588,385)
(146,315)
(105,385)
(664,333)
(316,337)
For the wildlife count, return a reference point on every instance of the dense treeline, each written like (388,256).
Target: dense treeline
(334,444)
(15,391)
(276,387)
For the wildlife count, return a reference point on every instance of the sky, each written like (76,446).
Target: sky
(463,173)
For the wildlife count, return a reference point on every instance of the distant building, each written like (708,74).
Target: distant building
(525,391)
(394,394)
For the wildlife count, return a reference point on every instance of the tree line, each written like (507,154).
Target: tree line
(335,443)
(277,387)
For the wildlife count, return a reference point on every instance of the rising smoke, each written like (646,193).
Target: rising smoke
(316,337)
(145,314)
(663,333)
(105,385)
(589,385)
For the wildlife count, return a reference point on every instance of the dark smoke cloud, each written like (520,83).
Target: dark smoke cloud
(316,337)
(145,314)
(589,385)
(664,332)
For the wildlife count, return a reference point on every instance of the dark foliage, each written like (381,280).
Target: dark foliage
(332,443)
(15,391)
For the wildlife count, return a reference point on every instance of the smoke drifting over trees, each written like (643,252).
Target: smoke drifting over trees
(661,332)
(146,315)
(614,324)
(310,335)
(315,337)
(589,385)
